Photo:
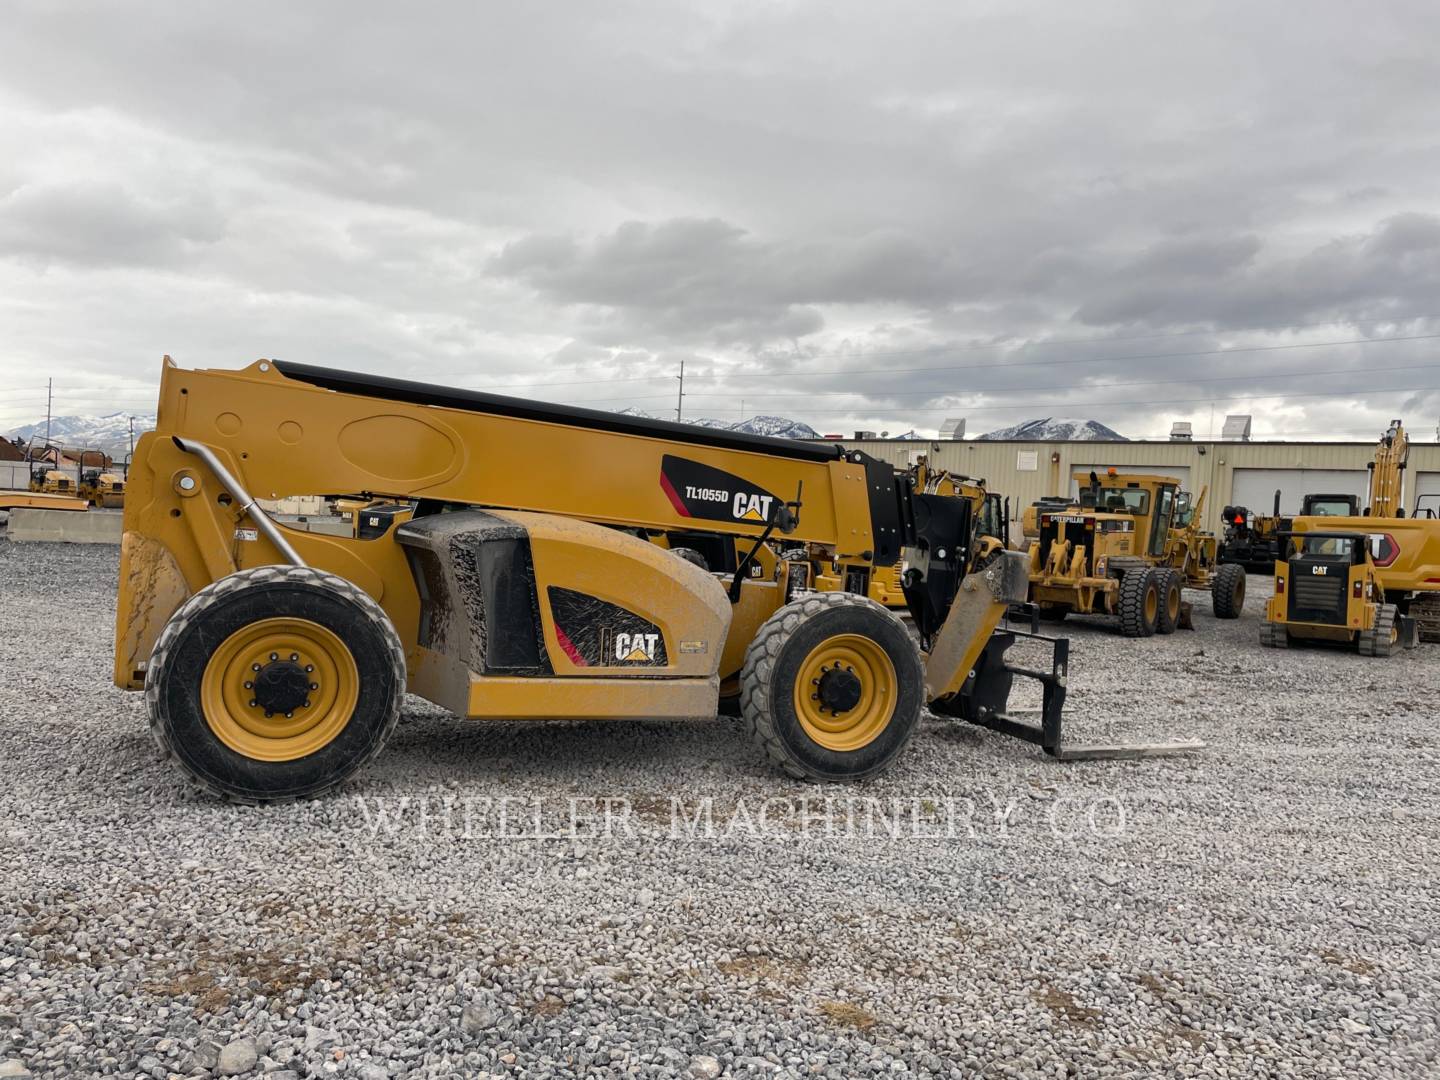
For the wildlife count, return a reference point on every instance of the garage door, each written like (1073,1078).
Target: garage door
(1255,488)
(1426,483)
(1180,472)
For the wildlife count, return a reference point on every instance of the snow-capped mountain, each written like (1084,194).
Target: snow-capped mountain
(777,427)
(110,433)
(1057,429)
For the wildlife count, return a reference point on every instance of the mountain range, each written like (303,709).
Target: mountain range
(110,433)
(1056,429)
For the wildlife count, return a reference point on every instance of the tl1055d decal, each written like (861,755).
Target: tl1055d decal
(697,490)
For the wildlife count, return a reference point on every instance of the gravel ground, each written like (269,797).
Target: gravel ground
(1264,908)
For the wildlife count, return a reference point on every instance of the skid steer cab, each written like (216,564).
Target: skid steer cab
(1327,590)
(618,581)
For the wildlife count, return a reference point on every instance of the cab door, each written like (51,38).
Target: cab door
(1160,523)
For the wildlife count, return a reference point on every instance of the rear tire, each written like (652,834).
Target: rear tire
(226,679)
(1382,638)
(873,693)
(1139,603)
(1227,591)
(1171,597)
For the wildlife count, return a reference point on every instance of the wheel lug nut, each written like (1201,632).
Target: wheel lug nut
(305,704)
(294,656)
(309,668)
(249,685)
(268,714)
(253,703)
(314,686)
(289,716)
(274,656)
(254,667)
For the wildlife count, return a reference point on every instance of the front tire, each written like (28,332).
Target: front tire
(1169,583)
(275,683)
(1139,602)
(832,687)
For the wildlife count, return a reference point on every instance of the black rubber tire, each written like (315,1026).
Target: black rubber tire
(690,555)
(1170,584)
(1227,591)
(1274,636)
(1138,588)
(772,664)
(1381,639)
(173,680)
(1056,613)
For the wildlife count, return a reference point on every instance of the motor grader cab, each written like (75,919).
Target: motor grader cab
(1327,589)
(274,660)
(1407,561)
(1127,546)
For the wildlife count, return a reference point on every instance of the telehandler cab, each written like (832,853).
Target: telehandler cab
(274,660)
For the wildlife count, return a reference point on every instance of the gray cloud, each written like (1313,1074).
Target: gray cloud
(579,194)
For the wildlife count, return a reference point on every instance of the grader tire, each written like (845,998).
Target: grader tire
(1227,591)
(1274,635)
(1172,597)
(1380,639)
(832,687)
(275,683)
(1139,603)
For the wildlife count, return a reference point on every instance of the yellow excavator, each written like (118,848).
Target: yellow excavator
(274,660)
(1404,551)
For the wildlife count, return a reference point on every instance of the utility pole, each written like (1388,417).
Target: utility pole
(132,436)
(49,396)
(742,408)
(680,400)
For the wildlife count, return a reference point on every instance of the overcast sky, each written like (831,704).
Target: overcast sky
(858,215)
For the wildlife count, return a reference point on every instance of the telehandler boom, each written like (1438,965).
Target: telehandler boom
(512,576)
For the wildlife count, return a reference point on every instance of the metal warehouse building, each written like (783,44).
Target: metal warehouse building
(1236,473)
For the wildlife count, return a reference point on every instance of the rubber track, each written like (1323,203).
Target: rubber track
(227,586)
(1376,641)
(760,659)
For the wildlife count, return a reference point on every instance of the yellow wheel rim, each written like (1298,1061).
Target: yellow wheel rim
(1152,605)
(1172,604)
(279,650)
(846,657)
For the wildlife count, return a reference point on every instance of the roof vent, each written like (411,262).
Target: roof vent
(1237,429)
(1180,431)
(953,428)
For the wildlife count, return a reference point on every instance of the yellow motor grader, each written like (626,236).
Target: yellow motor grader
(274,661)
(1128,546)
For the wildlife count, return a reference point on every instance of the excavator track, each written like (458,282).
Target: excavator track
(1425,611)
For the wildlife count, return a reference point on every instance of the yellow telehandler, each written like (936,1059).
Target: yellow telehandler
(274,660)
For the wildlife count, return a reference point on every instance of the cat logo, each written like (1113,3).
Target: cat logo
(752,507)
(1321,570)
(635,648)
